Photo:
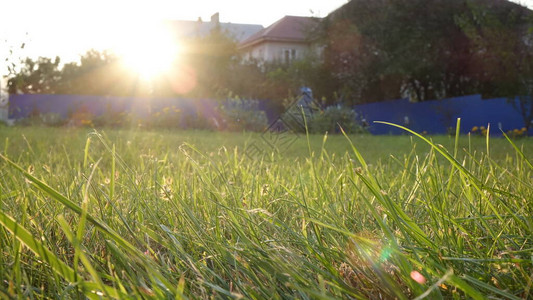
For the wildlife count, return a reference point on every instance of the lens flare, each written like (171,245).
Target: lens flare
(416,276)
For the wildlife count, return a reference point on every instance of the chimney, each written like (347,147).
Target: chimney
(215,18)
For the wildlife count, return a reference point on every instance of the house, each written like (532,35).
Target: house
(191,29)
(284,41)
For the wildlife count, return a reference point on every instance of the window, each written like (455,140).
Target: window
(289,55)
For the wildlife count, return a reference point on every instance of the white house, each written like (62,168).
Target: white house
(284,41)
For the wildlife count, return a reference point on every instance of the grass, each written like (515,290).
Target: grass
(132,214)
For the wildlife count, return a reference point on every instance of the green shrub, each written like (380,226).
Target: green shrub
(44,119)
(333,118)
(239,114)
(319,121)
(168,117)
(113,118)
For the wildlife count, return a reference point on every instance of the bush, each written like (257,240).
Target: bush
(45,119)
(319,121)
(113,118)
(333,118)
(239,114)
(167,118)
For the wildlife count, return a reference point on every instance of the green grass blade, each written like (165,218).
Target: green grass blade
(25,237)
(518,150)
(72,206)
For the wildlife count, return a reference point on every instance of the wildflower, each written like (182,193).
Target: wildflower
(86,122)
(474,129)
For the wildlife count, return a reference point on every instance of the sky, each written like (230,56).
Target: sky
(70,27)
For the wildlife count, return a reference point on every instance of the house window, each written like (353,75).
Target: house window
(289,55)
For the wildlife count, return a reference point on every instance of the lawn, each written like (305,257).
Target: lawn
(188,214)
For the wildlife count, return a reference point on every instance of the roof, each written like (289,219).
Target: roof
(287,29)
(186,29)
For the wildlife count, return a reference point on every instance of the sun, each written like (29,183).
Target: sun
(149,51)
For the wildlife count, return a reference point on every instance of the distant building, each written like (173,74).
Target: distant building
(191,29)
(284,41)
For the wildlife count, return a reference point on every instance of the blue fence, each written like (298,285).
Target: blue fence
(22,106)
(433,117)
(440,116)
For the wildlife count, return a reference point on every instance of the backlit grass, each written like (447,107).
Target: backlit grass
(124,214)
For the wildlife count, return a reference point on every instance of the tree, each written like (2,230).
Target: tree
(424,49)
(97,73)
(40,76)
(213,59)
(502,46)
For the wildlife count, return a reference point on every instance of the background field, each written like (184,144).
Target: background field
(188,214)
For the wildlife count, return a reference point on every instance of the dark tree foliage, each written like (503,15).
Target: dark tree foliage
(426,49)
(502,47)
(502,43)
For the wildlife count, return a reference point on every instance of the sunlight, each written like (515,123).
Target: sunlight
(149,51)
